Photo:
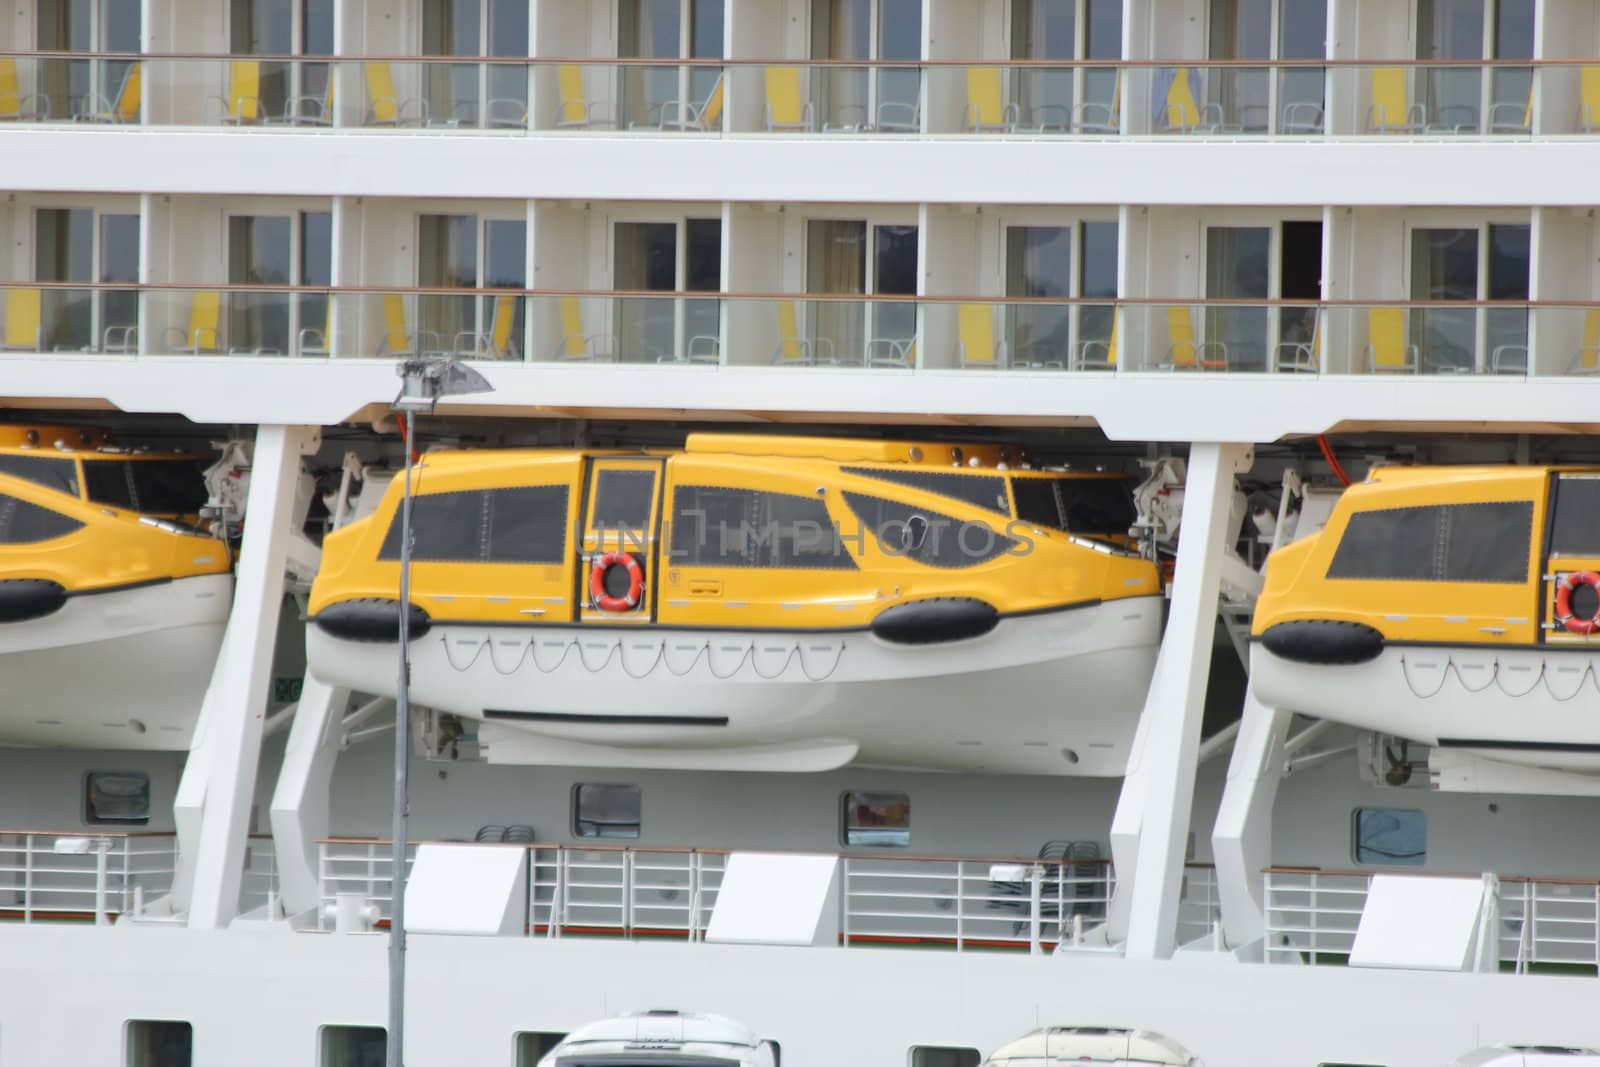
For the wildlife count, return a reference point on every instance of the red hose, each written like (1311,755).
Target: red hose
(1333,460)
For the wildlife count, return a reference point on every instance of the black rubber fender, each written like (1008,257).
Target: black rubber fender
(371,619)
(1329,642)
(23,599)
(934,621)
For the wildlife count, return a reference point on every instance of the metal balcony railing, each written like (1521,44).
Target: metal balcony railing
(1093,98)
(709,331)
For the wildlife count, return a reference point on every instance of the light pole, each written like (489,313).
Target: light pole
(423,382)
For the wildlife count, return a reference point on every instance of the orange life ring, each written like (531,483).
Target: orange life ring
(597,581)
(1564,590)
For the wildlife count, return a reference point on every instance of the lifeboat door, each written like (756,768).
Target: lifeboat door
(621,513)
(1572,547)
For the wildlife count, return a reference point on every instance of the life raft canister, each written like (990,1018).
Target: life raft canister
(597,581)
(1564,589)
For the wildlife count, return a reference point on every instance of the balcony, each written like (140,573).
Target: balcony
(1031,99)
(702,332)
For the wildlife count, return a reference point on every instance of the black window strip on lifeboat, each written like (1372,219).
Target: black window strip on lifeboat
(622,500)
(106,481)
(515,524)
(51,472)
(980,490)
(1038,502)
(1097,505)
(1575,523)
(1477,542)
(23,523)
(928,537)
(722,526)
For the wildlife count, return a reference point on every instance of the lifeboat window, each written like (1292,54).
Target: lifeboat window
(22,523)
(155,487)
(1481,542)
(534,1045)
(715,525)
(517,524)
(606,810)
(623,500)
(107,482)
(944,1056)
(927,536)
(872,818)
(1088,506)
(48,471)
(121,797)
(1575,530)
(353,1046)
(1391,837)
(979,490)
(160,1043)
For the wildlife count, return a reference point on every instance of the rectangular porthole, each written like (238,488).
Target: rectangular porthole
(159,1043)
(881,819)
(606,810)
(1390,837)
(353,1046)
(533,1045)
(944,1056)
(116,798)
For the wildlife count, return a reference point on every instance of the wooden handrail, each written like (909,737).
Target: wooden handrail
(1341,873)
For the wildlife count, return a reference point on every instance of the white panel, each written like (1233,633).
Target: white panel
(467,889)
(777,899)
(1421,923)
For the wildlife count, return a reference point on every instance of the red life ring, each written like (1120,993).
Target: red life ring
(1564,590)
(597,581)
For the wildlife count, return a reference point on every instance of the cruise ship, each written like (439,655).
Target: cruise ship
(1232,255)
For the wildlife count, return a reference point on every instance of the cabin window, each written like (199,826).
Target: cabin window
(107,483)
(980,490)
(116,797)
(718,526)
(1485,542)
(623,500)
(533,1045)
(168,487)
(519,524)
(22,523)
(874,818)
(1390,837)
(927,536)
(160,1043)
(1575,529)
(944,1056)
(1089,506)
(353,1046)
(605,810)
(48,471)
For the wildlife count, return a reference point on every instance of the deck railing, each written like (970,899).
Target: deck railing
(704,332)
(1545,923)
(1089,98)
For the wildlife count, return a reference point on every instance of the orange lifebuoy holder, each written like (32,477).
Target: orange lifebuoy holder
(1568,585)
(597,581)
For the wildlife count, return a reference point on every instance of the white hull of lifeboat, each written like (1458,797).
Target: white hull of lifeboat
(1051,693)
(1530,706)
(126,669)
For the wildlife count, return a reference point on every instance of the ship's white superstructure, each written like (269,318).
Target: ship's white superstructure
(1177,238)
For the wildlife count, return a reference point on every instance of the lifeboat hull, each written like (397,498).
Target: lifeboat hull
(1057,692)
(1539,707)
(125,668)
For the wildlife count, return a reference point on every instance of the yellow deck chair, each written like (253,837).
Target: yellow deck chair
(13,104)
(242,105)
(575,111)
(24,328)
(975,327)
(1390,111)
(986,111)
(1184,352)
(685,115)
(205,308)
(1588,361)
(125,108)
(384,107)
(1387,349)
(1180,111)
(792,350)
(497,343)
(1512,118)
(1100,355)
(397,337)
(785,110)
(1589,88)
(577,345)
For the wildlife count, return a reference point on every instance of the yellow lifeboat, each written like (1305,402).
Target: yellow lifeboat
(111,611)
(752,602)
(1452,606)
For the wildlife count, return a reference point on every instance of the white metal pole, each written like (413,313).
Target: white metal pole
(402,755)
(100,861)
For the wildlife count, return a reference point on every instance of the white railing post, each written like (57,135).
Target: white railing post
(627,892)
(127,880)
(1267,944)
(558,900)
(1035,900)
(102,846)
(961,904)
(1312,917)
(844,900)
(27,878)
